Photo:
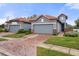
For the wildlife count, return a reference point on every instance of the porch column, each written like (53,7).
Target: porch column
(20,26)
(32,27)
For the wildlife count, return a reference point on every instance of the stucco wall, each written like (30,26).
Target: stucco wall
(26,26)
(58,27)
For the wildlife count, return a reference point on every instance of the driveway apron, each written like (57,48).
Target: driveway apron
(24,47)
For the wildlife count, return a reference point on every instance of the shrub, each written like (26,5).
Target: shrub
(68,30)
(71,34)
(28,31)
(24,31)
(21,31)
(2,30)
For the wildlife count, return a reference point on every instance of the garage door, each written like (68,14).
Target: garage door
(14,28)
(43,28)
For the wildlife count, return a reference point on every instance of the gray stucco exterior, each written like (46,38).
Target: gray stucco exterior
(47,26)
(58,27)
(41,24)
(26,26)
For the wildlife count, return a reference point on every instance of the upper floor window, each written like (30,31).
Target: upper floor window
(42,20)
(14,23)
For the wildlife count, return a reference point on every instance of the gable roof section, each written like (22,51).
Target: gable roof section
(18,20)
(50,17)
(21,19)
(63,15)
(46,16)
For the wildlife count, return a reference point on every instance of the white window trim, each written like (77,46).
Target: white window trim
(42,20)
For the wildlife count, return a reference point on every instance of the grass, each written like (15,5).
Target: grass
(71,42)
(16,35)
(2,39)
(46,52)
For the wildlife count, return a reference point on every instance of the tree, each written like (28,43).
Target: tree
(2,26)
(77,22)
(69,26)
(33,16)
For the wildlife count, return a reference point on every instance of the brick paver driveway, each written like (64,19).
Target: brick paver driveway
(25,47)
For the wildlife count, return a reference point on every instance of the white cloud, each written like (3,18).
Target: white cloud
(2,20)
(70,22)
(73,5)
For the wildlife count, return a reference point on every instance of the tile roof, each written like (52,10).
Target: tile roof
(33,19)
(18,20)
(47,16)
(21,19)
(50,17)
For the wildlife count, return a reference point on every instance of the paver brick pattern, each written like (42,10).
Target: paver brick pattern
(25,47)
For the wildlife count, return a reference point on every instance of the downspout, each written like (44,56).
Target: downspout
(64,26)
(32,27)
(56,26)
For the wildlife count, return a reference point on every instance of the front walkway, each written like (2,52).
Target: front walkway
(25,47)
(61,34)
(5,33)
(71,51)
(26,36)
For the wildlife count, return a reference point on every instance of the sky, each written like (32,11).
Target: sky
(14,10)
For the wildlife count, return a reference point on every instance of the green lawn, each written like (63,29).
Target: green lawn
(2,39)
(71,42)
(15,35)
(47,52)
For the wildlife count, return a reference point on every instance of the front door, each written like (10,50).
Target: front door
(62,27)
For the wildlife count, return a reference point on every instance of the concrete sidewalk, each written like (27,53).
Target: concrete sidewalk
(71,51)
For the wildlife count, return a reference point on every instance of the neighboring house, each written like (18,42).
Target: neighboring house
(19,23)
(43,24)
(76,30)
